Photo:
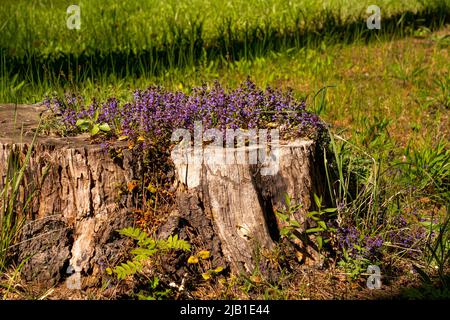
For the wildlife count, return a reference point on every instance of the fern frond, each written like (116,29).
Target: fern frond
(134,233)
(144,252)
(127,269)
(173,243)
(147,247)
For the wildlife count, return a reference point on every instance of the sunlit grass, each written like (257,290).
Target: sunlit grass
(134,42)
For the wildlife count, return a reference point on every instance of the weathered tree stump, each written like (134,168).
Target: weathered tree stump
(231,207)
(241,202)
(76,209)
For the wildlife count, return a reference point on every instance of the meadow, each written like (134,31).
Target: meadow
(384,93)
(134,42)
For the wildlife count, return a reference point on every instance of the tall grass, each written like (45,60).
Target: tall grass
(354,183)
(16,196)
(405,203)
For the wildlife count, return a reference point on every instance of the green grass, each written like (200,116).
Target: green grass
(16,195)
(133,42)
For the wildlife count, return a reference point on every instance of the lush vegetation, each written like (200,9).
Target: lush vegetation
(385,93)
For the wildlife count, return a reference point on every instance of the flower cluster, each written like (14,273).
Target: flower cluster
(357,245)
(156,112)
(407,235)
(402,235)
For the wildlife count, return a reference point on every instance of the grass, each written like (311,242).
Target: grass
(386,94)
(133,43)
(16,200)
(16,195)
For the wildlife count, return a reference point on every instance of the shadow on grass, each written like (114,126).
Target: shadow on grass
(189,47)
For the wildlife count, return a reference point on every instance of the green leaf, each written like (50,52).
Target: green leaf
(96,114)
(425,278)
(282,216)
(319,242)
(144,297)
(133,233)
(287,200)
(295,223)
(18,87)
(80,122)
(126,267)
(144,252)
(105,127)
(83,124)
(322,224)
(313,230)
(313,214)
(154,283)
(95,129)
(433,226)
(317,200)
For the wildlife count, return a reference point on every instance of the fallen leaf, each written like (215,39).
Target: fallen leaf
(299,256)
(132,185)
(218,269)
(204,254)
(192,260)
(206,276)
(255,279)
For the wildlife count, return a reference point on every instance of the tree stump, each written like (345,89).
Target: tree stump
(240,202)
(231,207)
(76,209)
